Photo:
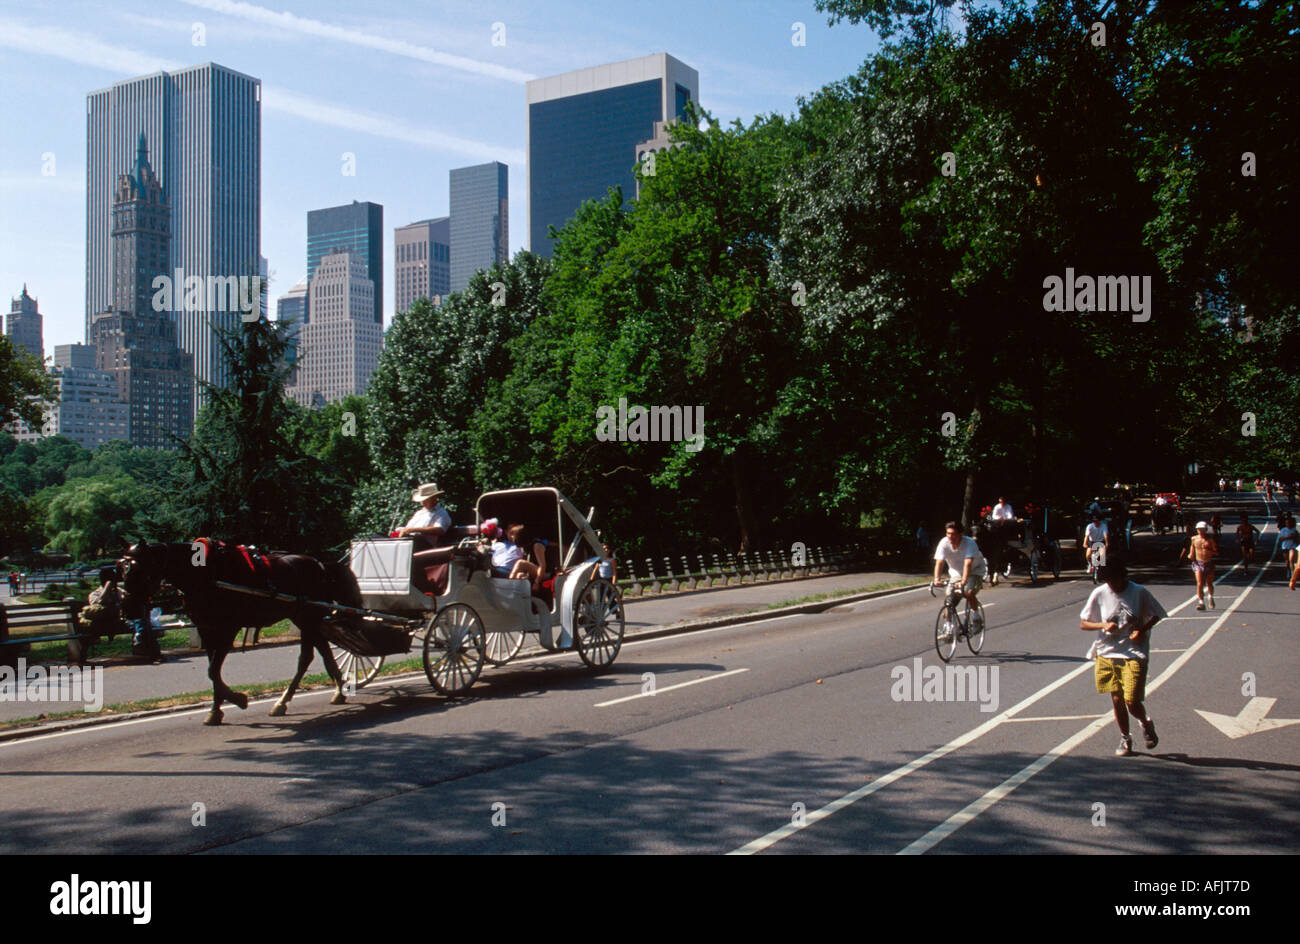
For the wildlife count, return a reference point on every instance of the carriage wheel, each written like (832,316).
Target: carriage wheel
(1056,561)
(500,648)
(1033,567)
(454,649)
(355,669)
(598,623)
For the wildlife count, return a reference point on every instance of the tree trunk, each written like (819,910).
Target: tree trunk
(968,502)
(744,505)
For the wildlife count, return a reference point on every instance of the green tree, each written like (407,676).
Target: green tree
(91,516)
(24,386)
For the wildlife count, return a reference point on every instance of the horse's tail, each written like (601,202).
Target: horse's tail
(342,583)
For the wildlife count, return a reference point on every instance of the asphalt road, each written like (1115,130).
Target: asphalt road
(785,736)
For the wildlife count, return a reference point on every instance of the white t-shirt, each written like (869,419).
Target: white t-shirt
(504,554)
(1003,512)
(1131,608)
(955,557)
(1096,533)
(424,518)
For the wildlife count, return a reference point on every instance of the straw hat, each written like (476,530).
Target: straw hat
(429,490)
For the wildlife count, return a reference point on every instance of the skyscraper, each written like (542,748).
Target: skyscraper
(204,126)
(354,227)
(338,349)
(134,343)
(480,214)
(24,325)
(421,261)
(583,131)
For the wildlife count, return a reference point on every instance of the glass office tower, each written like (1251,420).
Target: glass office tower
(583,132)
(354,227)
(204,128)
(480,213)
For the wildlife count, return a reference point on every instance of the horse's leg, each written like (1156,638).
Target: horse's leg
(220,690)
(304,660)
(332,667)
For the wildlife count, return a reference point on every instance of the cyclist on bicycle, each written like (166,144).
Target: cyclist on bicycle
(1096,537)
(966,566)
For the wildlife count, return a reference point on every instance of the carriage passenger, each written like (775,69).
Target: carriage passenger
(509,560)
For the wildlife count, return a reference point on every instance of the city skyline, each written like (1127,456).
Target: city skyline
(322,70)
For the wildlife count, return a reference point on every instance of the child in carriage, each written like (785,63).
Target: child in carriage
(509,560)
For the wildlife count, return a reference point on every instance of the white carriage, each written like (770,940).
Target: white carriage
(469,617)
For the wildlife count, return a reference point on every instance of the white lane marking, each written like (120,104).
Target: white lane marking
(789,829)
(1191,617)
(668,688)
(1058,718)
(1004,789)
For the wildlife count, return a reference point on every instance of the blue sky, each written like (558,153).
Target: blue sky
(412,89)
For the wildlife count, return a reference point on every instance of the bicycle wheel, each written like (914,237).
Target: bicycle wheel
(1056,562)
(975,627)
(946,648)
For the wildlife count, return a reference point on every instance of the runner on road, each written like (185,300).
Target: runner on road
(1122,614)
(1246,535)
(1202,550)
(1288,536)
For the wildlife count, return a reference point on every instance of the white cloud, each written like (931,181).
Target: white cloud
(383,126)
(397,47)
(85,50)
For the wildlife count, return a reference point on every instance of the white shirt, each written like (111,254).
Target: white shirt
(1288,538)
(1003,512)
(1131,608)
(1096,533)
(955,557)
(1161,500)
(437,518)
(504,554)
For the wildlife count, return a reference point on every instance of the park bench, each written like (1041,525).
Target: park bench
(61,618)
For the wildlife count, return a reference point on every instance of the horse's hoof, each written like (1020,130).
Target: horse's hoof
(239,699)
(214,717)
(278,710)
(339,699)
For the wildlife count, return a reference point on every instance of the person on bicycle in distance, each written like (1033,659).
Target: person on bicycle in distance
(1096,535)
(966,566)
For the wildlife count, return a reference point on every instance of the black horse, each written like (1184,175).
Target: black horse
(218,614)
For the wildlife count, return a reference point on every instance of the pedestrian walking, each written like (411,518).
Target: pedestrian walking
(1288,536)
(1122,613)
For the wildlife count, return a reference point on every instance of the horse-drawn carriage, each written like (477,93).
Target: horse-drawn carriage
(469,617)
(389,598)
(1030,542)
(1166,512)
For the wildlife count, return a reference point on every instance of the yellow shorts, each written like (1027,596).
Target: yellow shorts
(1123,675)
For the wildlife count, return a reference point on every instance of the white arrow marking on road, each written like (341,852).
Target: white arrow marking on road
(1250,720)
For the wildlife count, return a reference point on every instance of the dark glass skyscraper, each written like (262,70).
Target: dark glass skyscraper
(480,214)
(354,227)
(204,127)
(583,132)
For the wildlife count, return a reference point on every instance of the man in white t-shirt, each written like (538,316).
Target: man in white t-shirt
(1002,511)
(966,565)
(1098,535)
(1122,613)
(430,521)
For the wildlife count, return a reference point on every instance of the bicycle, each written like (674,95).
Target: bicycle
(967,625)
(1095,553)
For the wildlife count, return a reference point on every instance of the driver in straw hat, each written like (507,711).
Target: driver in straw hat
(430,521)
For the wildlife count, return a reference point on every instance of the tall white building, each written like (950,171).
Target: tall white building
(338,349)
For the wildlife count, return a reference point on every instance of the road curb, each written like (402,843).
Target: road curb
(668,629)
